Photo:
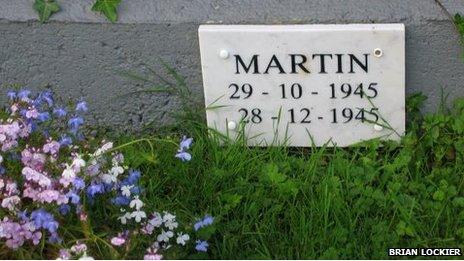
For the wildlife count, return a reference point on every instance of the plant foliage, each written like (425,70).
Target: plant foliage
(109,8)
(45,8)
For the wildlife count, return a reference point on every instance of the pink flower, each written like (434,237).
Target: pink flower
(10,202)
(48,196)
(8,145)
(25,131)
(36,237)
(17,233)
(11,188)
(152,255)
(29,192)
(118,241)
(51,147)
(33,159)
(32,113)
(79,248)
(39,178)
(64,254)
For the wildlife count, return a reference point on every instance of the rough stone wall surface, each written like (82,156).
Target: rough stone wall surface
(79,53)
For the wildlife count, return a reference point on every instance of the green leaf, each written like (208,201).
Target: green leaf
(45,8)
(273,175)
(439,195)
(107,7)
(459,21)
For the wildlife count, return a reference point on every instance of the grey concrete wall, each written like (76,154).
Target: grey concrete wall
(78,51)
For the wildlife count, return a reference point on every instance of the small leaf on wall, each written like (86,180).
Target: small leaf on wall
(109,8)
(45,8)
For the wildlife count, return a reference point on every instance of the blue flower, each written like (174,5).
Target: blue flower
(46,96)
(54,238)
(11,95)
(75,199)
(82,106)
(38,216)
(202,246)
(34,125)
(78,183)
(64,209)
(65,140)
(134,176)
(59,112)
(185,143)
(94,189)
(23,113)
(206,221)
(184,156)
(75,123)
(2,170)
(198,225)
(135,190)
(23,215)
(121,201)
(43,116)
(43,219)
(24,94)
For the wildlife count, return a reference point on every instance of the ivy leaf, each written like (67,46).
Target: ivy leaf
(107,7)
(45,8)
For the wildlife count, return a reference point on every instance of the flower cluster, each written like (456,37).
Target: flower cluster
(206,221)
(45,179)
(164,227)
(49,169)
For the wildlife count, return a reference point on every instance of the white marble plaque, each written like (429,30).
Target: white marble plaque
(299,85)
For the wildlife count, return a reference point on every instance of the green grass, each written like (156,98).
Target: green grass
(317,202)
(294,203)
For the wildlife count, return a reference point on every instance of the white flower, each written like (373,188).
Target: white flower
(170,221)
(168,217)
(103,149)
(182,239)
(171,224)
(1,159)
(157,220)
(136,203)
(108,178)
(125,190)
(124,218)
(116,170)
(138,215)
(10,202)
(165,236)
(67,176)
(78,162)
(68,173)
(107,146)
